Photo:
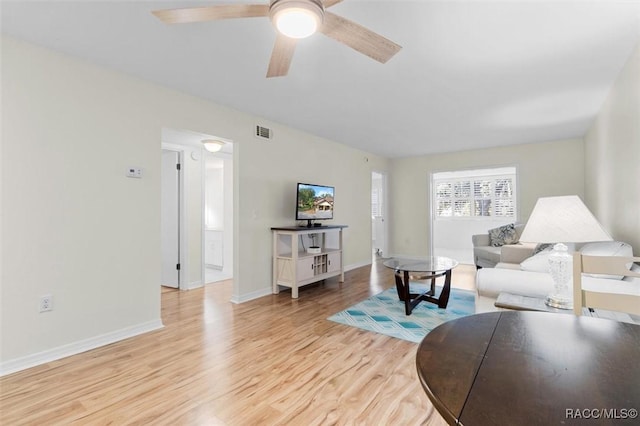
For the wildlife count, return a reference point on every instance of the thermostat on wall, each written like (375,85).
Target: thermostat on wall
(134,172)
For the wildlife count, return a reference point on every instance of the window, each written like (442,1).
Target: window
(377,198)
(376,208)
(487,193)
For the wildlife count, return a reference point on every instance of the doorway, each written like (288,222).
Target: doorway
(218,215)
(192,215)
(378,214)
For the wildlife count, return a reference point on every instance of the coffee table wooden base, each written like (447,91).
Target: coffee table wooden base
(411,300)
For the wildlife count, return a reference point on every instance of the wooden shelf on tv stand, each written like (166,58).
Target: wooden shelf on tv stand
(293,267)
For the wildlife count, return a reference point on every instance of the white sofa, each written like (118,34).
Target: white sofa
(537,282)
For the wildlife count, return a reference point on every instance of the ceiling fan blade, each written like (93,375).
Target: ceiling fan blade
(281,56)
(329,3)
(358,37)
(211,13)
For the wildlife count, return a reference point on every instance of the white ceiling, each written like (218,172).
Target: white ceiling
(471,73)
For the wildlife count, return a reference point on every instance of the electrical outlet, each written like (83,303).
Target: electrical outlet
(46,303)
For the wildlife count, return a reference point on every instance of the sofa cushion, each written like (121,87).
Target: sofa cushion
(516,253)
(607,248)
(489,253)
(503,235)
(490,282)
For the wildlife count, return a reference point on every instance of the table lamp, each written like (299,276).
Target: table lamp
(559,220)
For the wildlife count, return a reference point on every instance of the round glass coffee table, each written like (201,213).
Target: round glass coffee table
(422,269)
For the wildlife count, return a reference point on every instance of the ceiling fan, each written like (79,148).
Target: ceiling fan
(293,19)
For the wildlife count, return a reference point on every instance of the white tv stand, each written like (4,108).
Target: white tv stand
(293,267)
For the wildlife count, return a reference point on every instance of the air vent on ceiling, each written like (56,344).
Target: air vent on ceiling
(263,132)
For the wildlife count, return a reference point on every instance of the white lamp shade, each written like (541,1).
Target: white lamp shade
(562,219)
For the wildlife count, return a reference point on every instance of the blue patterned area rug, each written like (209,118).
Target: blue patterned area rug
(384,313)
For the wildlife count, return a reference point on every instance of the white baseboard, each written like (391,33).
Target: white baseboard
(193,284)
(253,295)
(18,364)
(357,265)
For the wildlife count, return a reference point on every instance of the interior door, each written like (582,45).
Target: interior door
(170,219)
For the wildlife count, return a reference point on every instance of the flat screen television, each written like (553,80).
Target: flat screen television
(314,202)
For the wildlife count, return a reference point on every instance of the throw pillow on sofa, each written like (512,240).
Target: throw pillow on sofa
(503,235)
(541,247)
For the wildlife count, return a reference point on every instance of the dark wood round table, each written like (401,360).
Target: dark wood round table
(533,368)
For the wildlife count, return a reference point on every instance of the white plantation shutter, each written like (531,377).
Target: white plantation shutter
(482,190)
(462,208)
(444,208)
(462,189)
(375,203)
(443,189)
(476,196)
(504,203)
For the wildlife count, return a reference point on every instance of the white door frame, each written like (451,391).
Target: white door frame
(432,216)
(385,212)
(182,273)
(227,233)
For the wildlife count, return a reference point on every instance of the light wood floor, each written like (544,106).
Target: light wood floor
(272,361)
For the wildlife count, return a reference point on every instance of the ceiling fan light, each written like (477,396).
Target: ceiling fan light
(295,18)
(212,145)
(296,23)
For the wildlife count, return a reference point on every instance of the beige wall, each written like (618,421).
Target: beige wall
(75,227)
(612,157)
(269,172)
(544,169)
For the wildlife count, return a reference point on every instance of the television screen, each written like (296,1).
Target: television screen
(314,202)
